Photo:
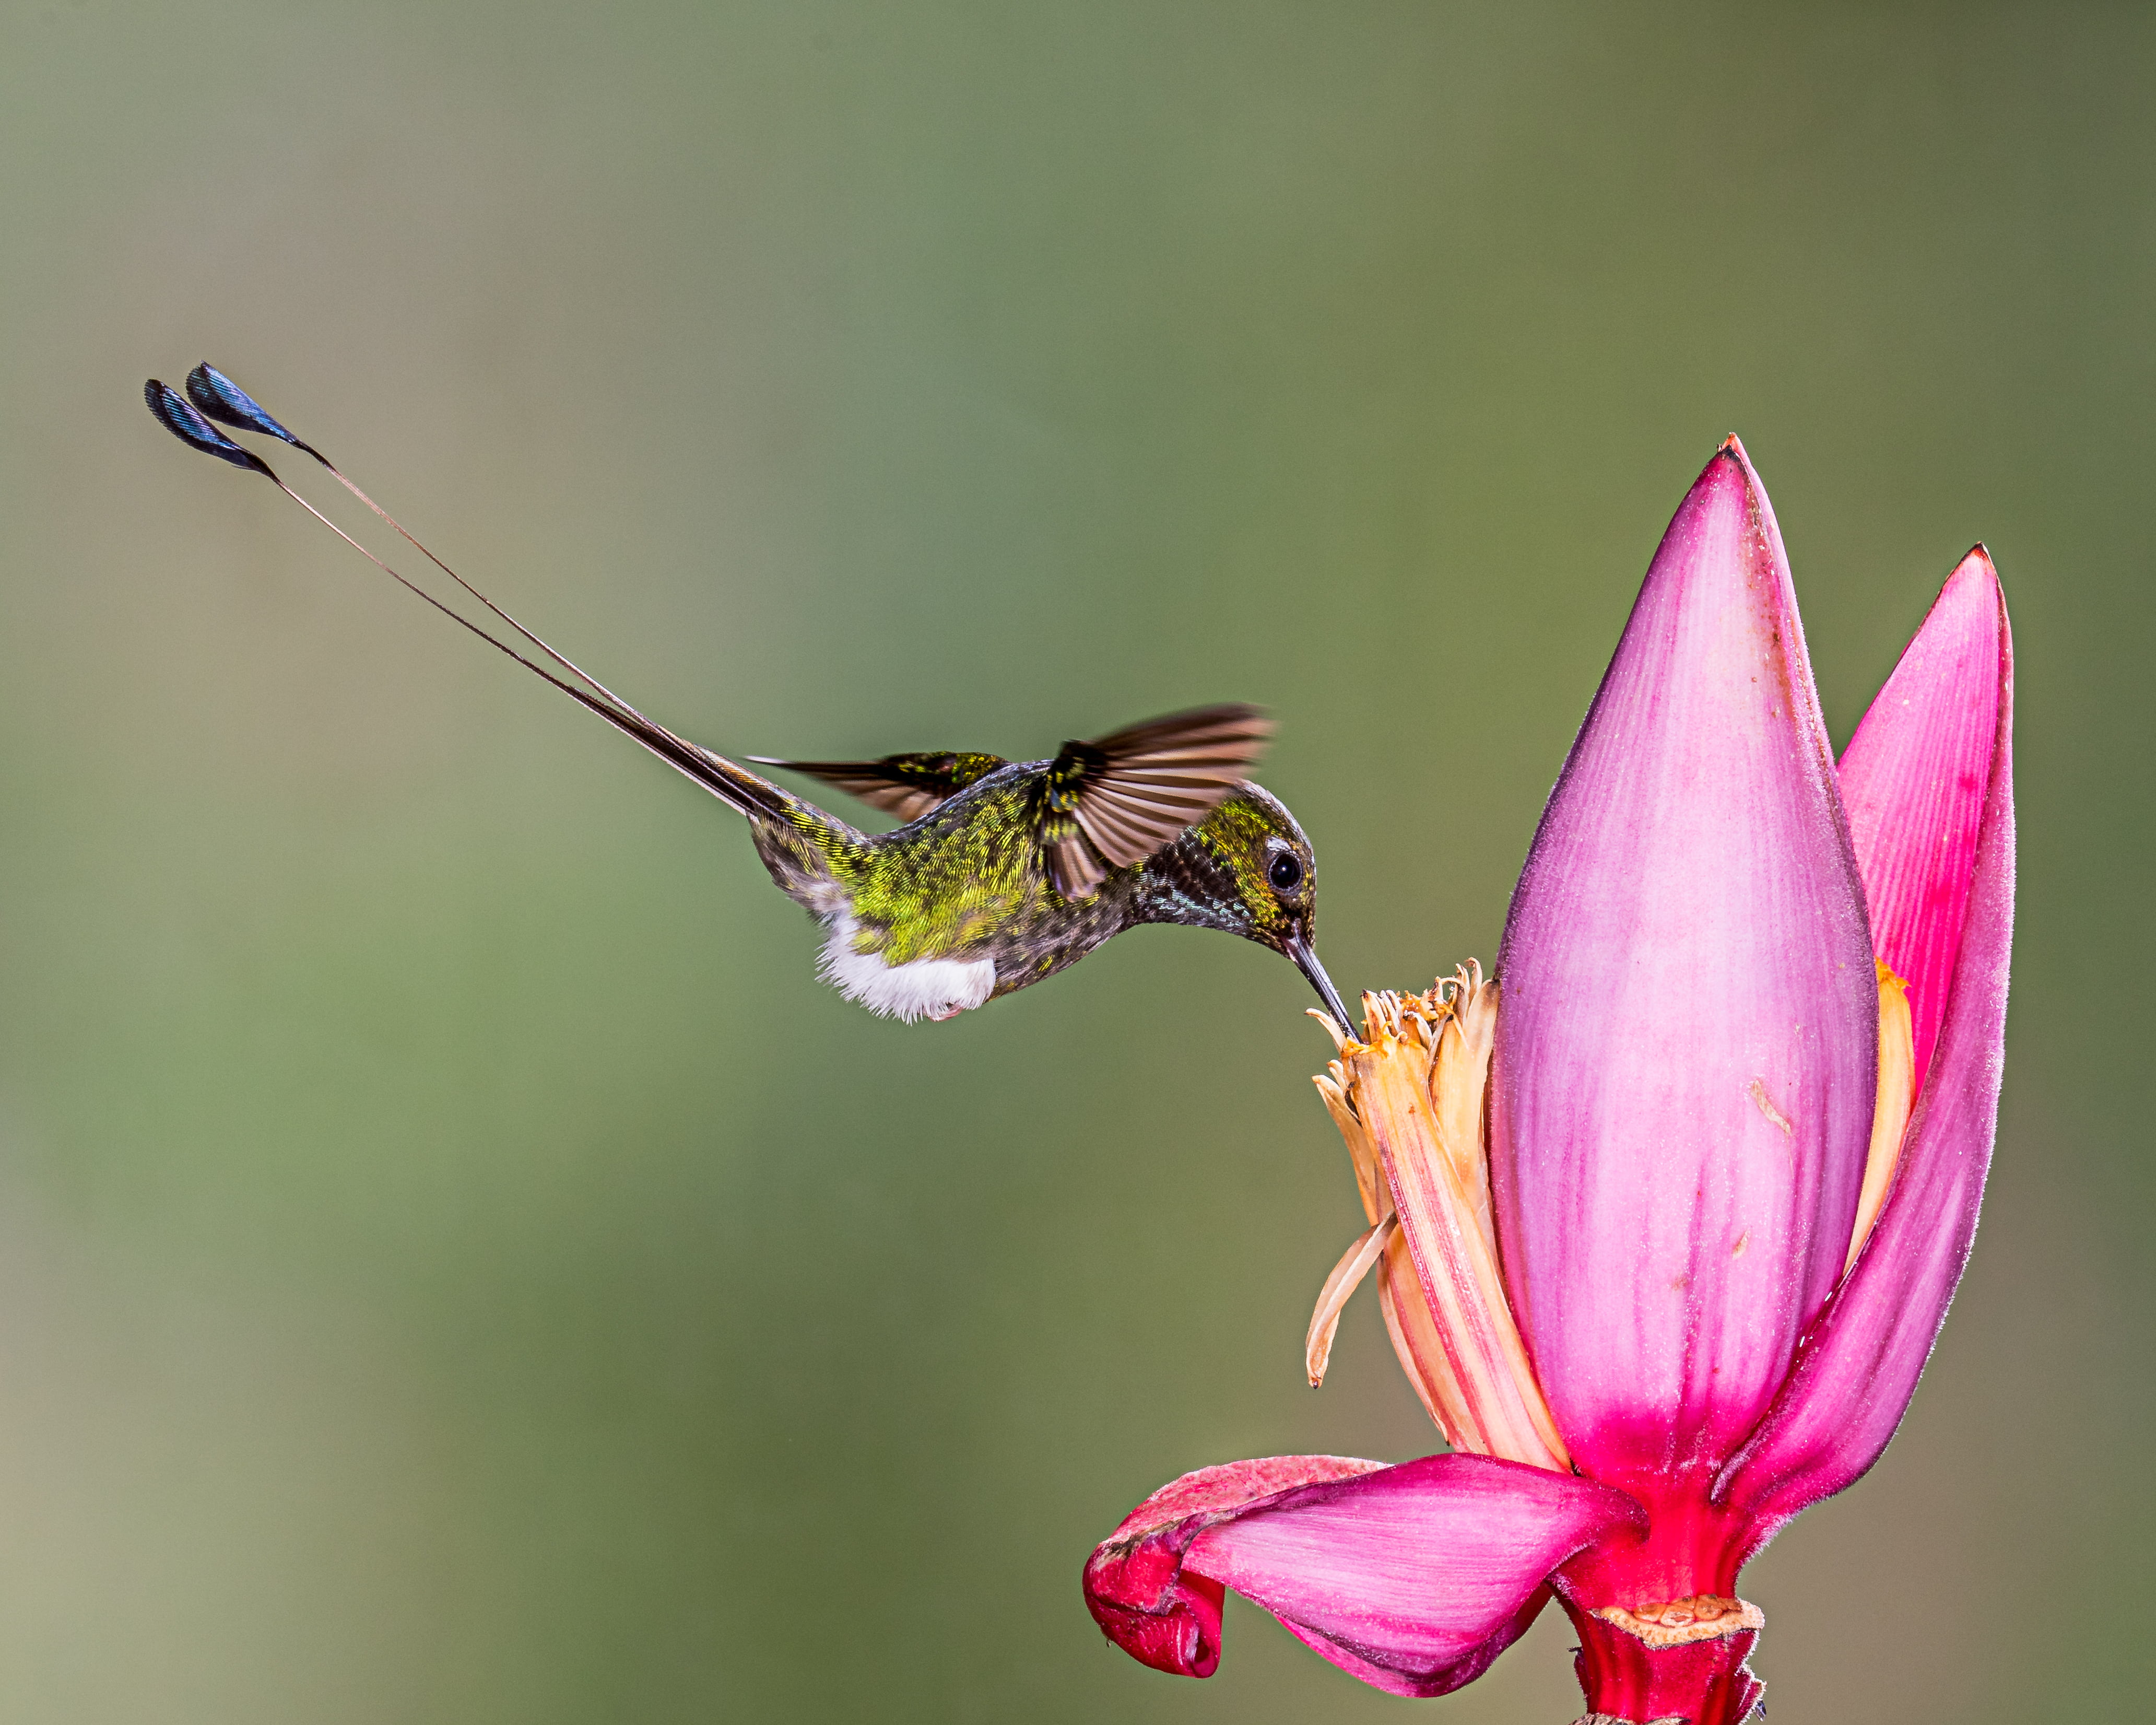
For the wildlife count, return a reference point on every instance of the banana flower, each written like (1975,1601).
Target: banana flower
(1664,1219)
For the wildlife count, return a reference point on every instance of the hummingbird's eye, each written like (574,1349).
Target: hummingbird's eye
(1286,872)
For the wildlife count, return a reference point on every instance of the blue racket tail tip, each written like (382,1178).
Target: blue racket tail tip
(217,397)
(172,411)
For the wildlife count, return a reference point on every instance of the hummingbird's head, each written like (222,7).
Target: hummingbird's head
(1245,869)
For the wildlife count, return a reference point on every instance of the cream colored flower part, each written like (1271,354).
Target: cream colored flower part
(1408,1102)
(1889,1115)
(1676,1623)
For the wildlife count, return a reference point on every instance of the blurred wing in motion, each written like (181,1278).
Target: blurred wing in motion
(1114,802)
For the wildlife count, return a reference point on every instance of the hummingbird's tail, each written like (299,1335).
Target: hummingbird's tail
(218,397)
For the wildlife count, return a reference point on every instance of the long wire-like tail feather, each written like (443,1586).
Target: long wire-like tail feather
(217,397)
(737,788)
(560,659)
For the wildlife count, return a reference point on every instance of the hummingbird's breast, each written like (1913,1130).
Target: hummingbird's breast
(913,988)
(956,908)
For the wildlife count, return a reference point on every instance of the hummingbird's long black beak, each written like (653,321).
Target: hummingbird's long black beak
(1298,948)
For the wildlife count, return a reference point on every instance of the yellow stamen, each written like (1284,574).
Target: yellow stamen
(1332,1298)
(1409,1101)
(1334,1085)
(1889,1114)
(1407,1321)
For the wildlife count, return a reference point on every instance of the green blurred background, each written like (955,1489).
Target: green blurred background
(455,1262)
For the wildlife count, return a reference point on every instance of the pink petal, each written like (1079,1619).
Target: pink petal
(1411,1577)
(1914,780)
(1135,1584)
(1687,1046)
(1857,1370)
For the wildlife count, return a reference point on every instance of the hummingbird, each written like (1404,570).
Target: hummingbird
(1000,873)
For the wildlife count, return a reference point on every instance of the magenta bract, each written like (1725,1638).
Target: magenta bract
(1682,1089)
(1413,1578)
(1680,1118)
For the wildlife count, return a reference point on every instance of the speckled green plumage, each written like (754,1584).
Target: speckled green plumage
(967,881)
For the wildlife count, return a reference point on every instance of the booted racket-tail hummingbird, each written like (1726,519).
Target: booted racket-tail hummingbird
(1003,872)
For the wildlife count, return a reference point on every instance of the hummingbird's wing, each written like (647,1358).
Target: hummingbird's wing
(907,786)
(1114,801)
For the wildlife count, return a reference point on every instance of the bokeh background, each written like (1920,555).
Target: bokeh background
(455,1262)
